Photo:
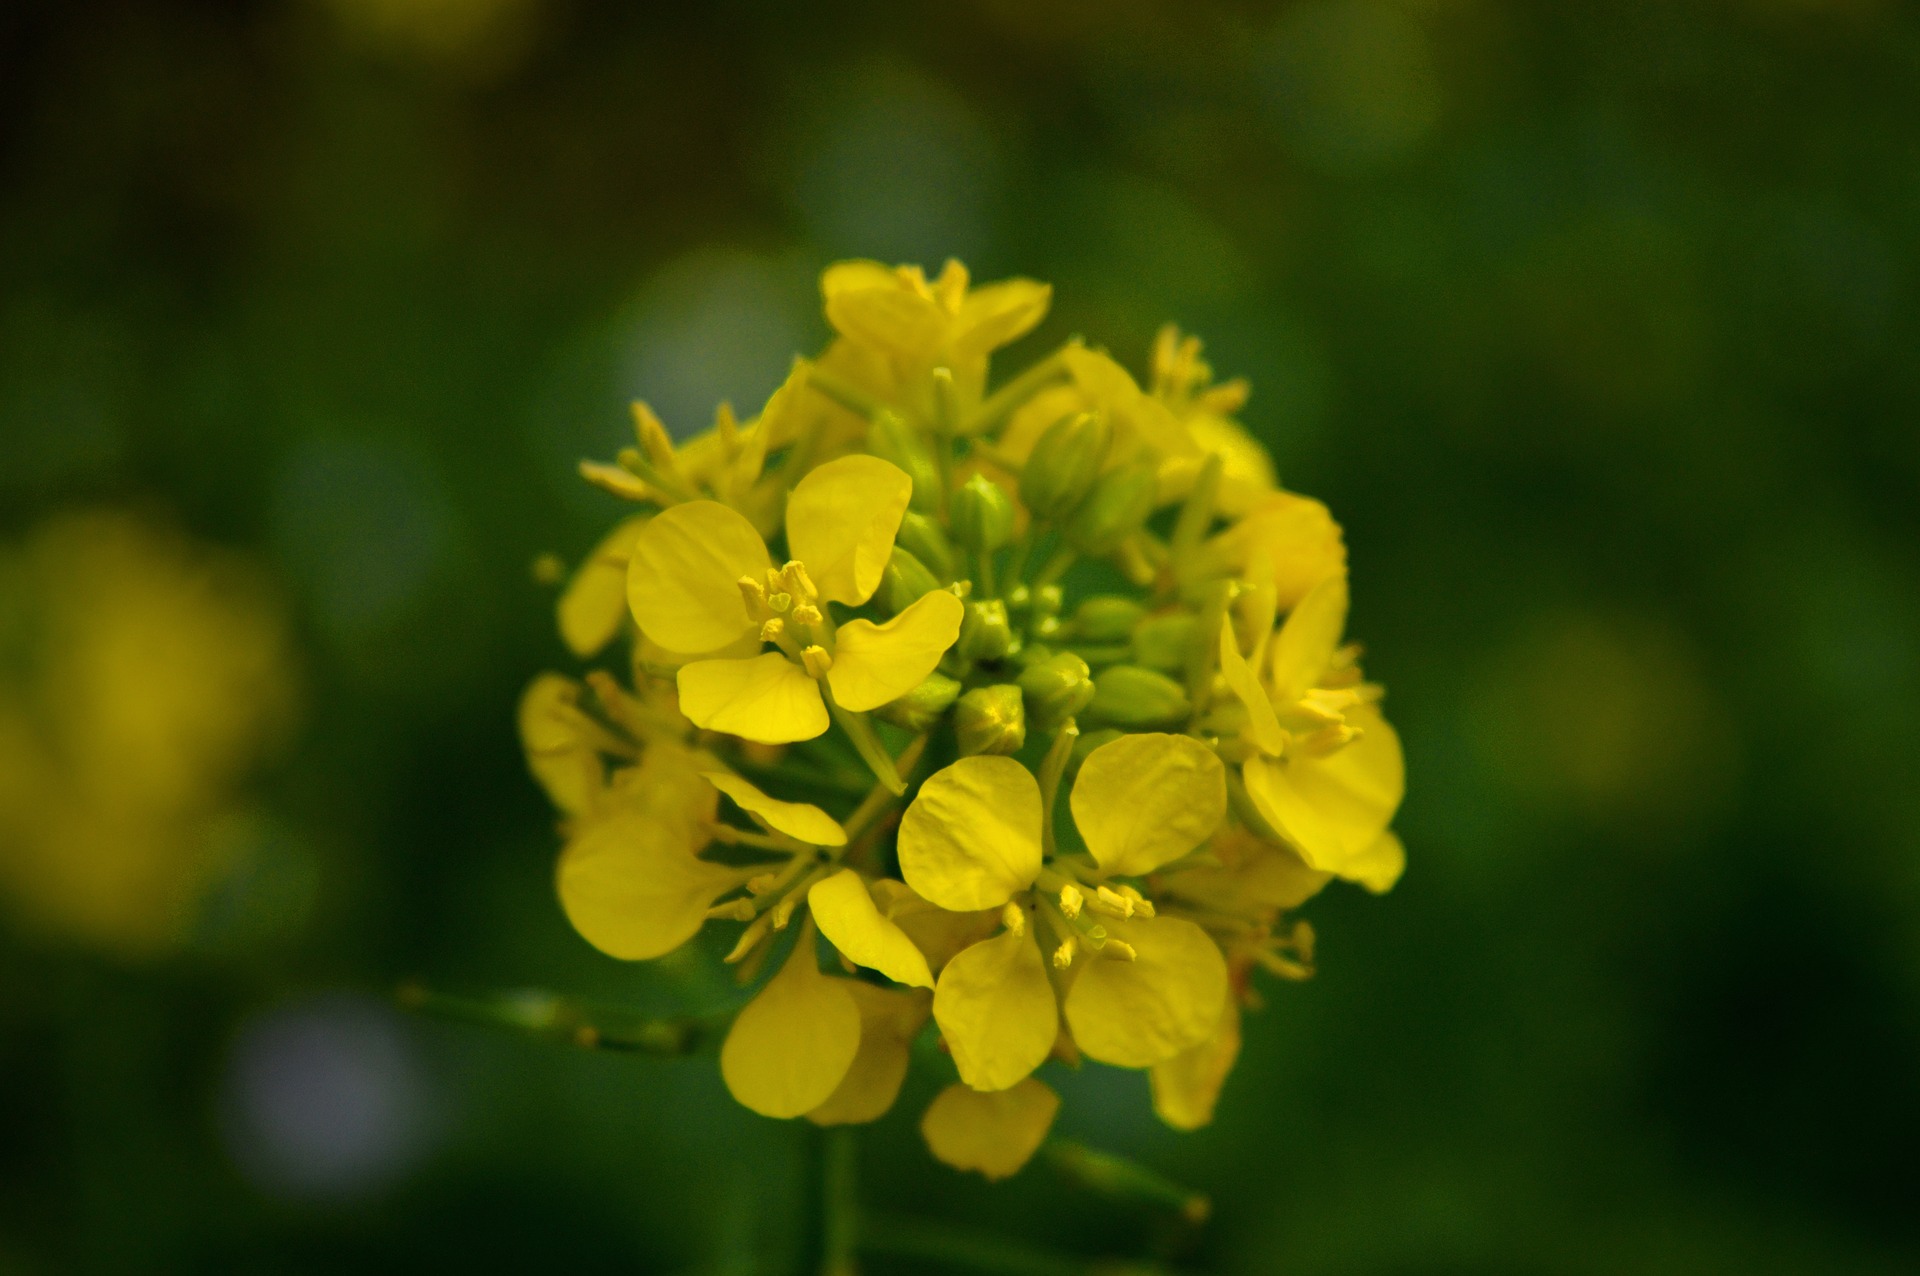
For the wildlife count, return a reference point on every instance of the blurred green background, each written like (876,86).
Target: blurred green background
(1594,322)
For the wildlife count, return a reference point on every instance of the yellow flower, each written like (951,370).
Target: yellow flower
(1326,774)
(1293,538)
(910,325)
(973,839)
(701,580)
(145,677)
(792,1046)
(594,604)
(1184,382)
(1187,1087)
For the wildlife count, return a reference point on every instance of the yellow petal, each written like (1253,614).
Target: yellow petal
(560,756)
(1306,643)
(1252,872)
(1138,1013)
(790,1048)
(972,836)
(1187,1086)
(995,1007)
(768,698)
(841,521)
(996,314)
(1333,809)
(682,582)
(873,664)
(993,1134)
(1299,537)
(1145,800)
(1381,865)
(1262,723)
(889,1021)
(800,820)
(595,600)
(870,305)
(851,923)
(938,933)
(633,887)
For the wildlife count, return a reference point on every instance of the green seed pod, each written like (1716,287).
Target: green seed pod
(982,515)
(1106,618)
(1056,689)
(1138,699)
(1064,464)
(1116,508)
(991,720)
(905,582)
(892,439)
(920,708)
(921,536)
(985,631)
(1164,642)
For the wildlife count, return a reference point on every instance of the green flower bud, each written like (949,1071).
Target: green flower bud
(1138,699)
(905,582)
(921,536)
(920,708)
(982,515)
(1106,618)
(991,720)
(1064,464)
(1056,689)
(985,631)
(1164,642)
(1087,743)
(892,439)
(1116,508)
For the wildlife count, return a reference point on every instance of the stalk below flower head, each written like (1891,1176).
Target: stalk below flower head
(872,709)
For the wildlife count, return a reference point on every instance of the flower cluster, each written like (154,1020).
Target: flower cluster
(1030,700)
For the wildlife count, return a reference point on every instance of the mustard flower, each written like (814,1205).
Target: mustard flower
(875,731)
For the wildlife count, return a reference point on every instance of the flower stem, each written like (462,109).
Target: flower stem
(943,1246)
(545,1015)
(871,751)
(840,1204)
(1113,1175)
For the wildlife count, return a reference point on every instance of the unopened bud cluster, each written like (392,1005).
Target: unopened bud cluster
(1011,714)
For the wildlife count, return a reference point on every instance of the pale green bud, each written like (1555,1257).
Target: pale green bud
(1138,699)
(1056,689)
(1106,618)
(905,581)
(922,537)
(1064,464)
(1164,642)
(985,631)
(982,515)
(1116,508)
(920,708)
(991,720)
(892,439)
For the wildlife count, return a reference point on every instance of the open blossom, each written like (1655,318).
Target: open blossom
(877,730)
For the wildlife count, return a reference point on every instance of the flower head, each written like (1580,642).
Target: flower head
(878,730)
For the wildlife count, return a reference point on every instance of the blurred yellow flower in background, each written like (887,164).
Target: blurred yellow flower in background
(143,677)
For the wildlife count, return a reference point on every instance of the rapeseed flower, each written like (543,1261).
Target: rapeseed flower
(874,729)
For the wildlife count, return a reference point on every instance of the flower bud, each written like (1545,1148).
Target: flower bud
(991,720)
(982,515)
(1106,618)
(1138,699)
(892,439)
(1116,508)
(922,537)
(1064,464)
(1163,642)
(1056,689)
(905,581)
(920,708)
(985,631)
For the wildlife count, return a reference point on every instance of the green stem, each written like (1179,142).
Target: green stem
(1116,1176)
(844,393)
(1056,566)
(1000,405)
(872,752)
(840,1204)
(543,1014)
(1052,767)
